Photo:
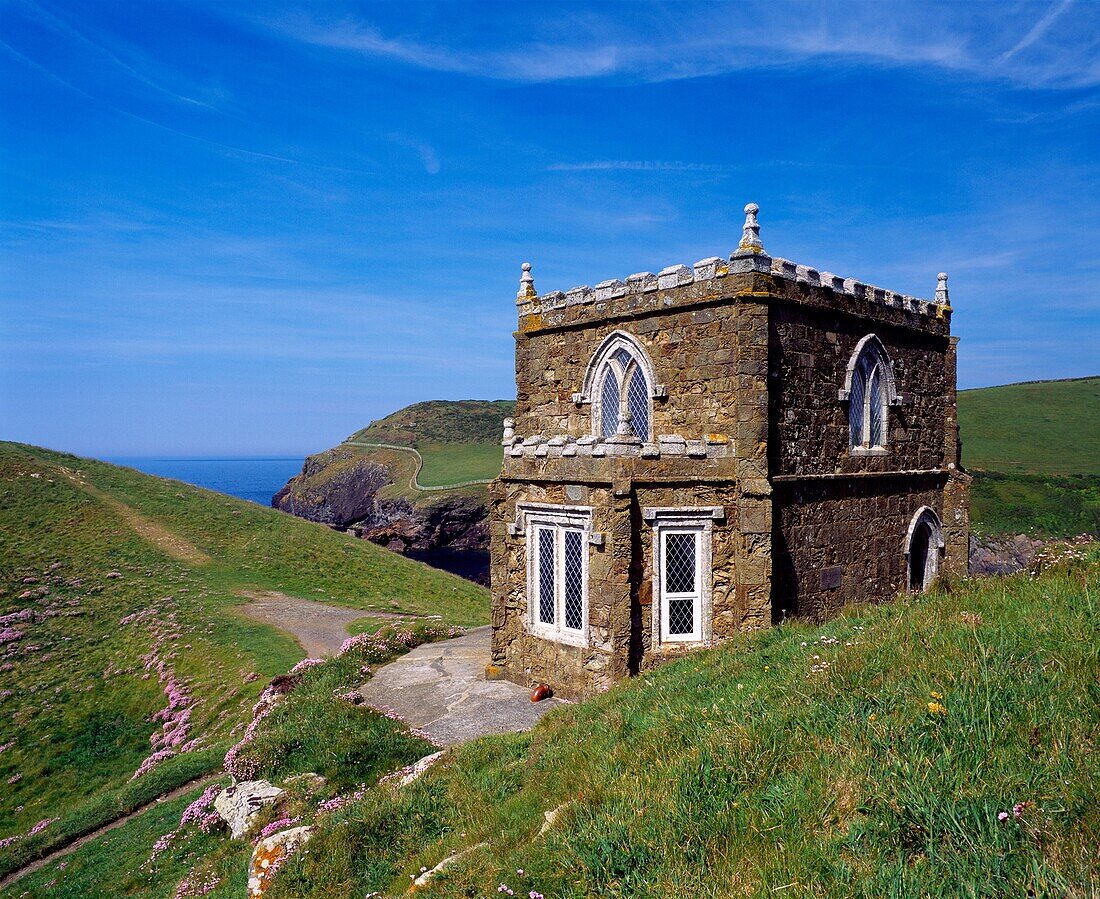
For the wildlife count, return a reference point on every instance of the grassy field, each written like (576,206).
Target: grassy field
(440,421)
(939,746)
(119,640)
(1034,447)
(1045,427)
(1035,452)
(454,463)
(459,441)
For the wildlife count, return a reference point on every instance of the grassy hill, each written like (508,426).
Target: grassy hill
(1042,427)
(458,440)
(937,746)
(118,636)
(1035,452)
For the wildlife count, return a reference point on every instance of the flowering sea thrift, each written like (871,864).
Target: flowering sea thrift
(195,812)
(275,826)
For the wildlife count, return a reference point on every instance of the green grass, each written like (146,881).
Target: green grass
(751,770)
(459,441)
(80,711)
(1035,452)
(1041,505)
(440,421)
(455,463)
(112,864)
(1044,427)
(312,729)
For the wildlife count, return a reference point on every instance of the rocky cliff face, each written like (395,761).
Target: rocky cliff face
(336,488)
(340,488)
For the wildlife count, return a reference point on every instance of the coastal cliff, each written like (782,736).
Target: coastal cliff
(413,482)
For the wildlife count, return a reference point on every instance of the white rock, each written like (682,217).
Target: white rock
(239,804)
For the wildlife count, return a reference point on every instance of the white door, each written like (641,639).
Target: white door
(681,587)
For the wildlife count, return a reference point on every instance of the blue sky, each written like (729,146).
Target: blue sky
(253,228)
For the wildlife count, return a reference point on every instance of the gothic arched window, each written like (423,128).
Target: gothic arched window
(869,390)
(619,384)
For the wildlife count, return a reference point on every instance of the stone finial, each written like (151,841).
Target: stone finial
(750,235)
(509,430)
(526,284)
(626,424)
(941,289)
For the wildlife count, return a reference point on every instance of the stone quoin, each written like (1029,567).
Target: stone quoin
(712,449)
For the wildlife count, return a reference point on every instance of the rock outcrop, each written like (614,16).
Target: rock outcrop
(239,804)
(269,855)
(1002,555)
(341,488)
(338,487)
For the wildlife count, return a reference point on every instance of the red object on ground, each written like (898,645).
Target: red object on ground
(540,693)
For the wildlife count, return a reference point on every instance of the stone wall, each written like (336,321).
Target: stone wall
(573,671)
(810,351)
(843,541)
(696,354)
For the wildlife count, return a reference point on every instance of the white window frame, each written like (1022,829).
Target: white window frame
(695,520)
(872,349)
(559,520)
(603,360)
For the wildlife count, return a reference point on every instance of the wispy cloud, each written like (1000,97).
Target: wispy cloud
(227,148)
(45,17)
(639,165)
(690,46)
(1039,29)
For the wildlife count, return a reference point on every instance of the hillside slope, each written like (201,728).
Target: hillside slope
(120,651)
(1035,451)
(1041,427)
(936,746)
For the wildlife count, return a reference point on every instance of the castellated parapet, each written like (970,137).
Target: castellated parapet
(710,449)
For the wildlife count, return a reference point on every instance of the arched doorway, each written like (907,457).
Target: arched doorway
(922,551)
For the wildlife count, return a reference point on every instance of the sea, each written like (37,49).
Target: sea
(254,478)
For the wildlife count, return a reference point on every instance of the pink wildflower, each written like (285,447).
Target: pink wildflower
(41,826)
(193,813)
(275,826)
(1002,816)
(305,665)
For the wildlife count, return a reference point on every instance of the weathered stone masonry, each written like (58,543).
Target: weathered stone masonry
(738,376)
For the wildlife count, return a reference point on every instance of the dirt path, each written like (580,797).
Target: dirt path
(319,628)
(55,854)
(176,546)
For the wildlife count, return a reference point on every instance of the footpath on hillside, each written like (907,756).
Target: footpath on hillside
(439,688)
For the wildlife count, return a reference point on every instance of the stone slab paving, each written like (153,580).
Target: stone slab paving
(440,688)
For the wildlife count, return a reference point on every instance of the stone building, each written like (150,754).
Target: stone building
(712,449)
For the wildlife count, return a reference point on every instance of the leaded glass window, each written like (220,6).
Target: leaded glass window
(680,584)
(547,571)
(574,579)
(558,572)
(609,404)
(680,563)
(637,400)
(867,398)
(622,386)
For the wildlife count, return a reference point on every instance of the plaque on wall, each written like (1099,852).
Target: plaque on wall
(832,577)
